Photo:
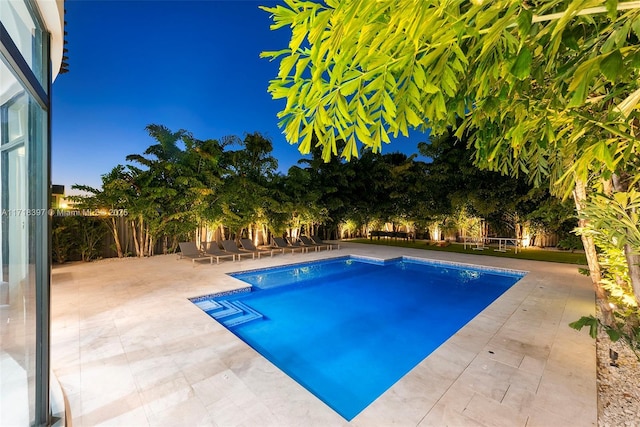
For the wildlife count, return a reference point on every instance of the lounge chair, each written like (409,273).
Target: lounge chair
(190,251)
(248,245)
(231,247)
(297,244)
(318,241)
(214,250)
(308,242)
(280,243)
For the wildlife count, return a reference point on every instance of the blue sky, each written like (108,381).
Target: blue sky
(190,65)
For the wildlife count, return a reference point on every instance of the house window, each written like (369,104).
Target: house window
(24,241)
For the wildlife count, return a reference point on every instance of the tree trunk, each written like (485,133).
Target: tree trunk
(633,260)
(147,240)
(116,237)
(143,237)
(579,197)
(152,243)
(134,231)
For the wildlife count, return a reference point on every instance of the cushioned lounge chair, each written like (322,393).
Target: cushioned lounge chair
(319,241)
(231,247)
(308,242)
(248,245)
(280,243)
(190,251)
(215,251)
(297,244)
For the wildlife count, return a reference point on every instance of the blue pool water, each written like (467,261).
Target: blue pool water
(349,328)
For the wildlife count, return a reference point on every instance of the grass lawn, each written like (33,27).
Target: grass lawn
(535,254)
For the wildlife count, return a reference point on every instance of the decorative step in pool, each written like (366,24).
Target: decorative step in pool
(227,309)
(208,305)
(229,313)
(248,314)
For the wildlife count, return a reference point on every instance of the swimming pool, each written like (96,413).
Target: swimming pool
(348,328)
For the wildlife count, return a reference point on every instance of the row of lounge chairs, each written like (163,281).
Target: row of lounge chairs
(229,249)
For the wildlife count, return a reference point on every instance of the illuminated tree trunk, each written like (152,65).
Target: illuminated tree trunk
(579,197)
(116,236)
(633,258)
(222,235)
(136,242)
(633,261)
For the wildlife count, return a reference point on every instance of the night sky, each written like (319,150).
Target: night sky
(190,65)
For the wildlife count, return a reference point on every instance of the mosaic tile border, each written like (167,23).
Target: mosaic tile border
(243,290)
(295,264)
(508,271)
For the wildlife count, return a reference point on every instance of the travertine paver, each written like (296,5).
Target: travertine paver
(129,349)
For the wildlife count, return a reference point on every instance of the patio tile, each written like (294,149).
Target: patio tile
(415,393)
(441,416)
(501,354)
(162,396)
(449,411)
(135,417)
(532,364)
(488,412)
(190,412)
(130,349)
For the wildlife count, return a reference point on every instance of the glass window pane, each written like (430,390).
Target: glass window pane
(21,137)
(26,34)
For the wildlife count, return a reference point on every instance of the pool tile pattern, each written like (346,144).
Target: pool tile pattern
(131,349)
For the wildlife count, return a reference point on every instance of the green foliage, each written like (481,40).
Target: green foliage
(616,218)
(455,183)
(471,226)
(76,237)
(115,194)
(613,222)
(361,71)
(243,195)
(570,242)
(181,182)
(553,215)
(590,321)
(62,239)
(545,97)
(171,188)
(90,232)
(626,327)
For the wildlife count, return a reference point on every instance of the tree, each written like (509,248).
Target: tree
(368,192)
(301,199)
(167,187)
(203,158)
(456,184)
(540,81)
(333,180)
(247,172)
(113,196)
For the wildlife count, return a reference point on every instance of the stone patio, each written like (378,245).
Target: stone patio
(130,349)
